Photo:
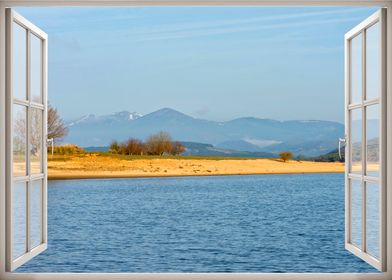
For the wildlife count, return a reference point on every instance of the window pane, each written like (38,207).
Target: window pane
(36,211)
(356,141)
(36,141)
(356,212)
(18,219)
(19,140)
(372,219)
(35,68)
(19,57)
(372,140)
(356,69)
(373,62)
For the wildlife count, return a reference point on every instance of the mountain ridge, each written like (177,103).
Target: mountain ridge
(246,134)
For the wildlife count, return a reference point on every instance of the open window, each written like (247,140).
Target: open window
(26,137)
(366,140)
(365,110)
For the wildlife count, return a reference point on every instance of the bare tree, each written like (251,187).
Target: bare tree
(36,132)
(134,146)
(56,127)
(177,148)
(20,129)
(158,144)
(122,148)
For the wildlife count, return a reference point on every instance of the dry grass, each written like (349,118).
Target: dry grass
(102,165)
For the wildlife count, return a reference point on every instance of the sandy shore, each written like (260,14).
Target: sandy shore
(101,166)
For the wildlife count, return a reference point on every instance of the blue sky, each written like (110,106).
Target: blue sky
(213,63)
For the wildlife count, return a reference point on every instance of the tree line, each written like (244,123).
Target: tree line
(157,144)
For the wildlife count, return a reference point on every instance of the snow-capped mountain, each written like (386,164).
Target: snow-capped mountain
(114,117)
(310,138)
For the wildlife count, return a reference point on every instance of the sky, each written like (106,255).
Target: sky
(215,63)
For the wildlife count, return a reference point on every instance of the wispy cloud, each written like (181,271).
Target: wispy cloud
(65,19)
(236,29)
(103,50)
(187,26)
(119,20)
(125,34)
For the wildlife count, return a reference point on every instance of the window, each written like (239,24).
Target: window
(365,113)
(366,173)
(27,176)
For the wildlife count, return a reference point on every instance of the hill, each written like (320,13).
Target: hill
(247,134)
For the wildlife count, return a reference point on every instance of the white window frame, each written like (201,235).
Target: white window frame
(13,17)
(173,276)
(361,29)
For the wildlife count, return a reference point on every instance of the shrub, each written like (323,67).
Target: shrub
(158,144)
(114,147)
(67,149)
(134,147)
(285,156)
(122,148)
(177,148)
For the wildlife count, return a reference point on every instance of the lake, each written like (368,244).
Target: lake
(261,223)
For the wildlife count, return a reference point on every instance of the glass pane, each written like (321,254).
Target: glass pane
(18,219)
(372,140)
(19,56)
(19,140)
(356,69)
(36,210)
(36,141)
(35,68)
(356,141)
(373,62)
(356,213)
(372,219)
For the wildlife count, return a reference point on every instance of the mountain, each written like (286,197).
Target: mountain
(247,134)
(239,145)
(332,156)
(122,116)
(200,149)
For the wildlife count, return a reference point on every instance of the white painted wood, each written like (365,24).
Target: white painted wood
(27,3)
(347,189)
(191,276)
(44,76)
(363,25)
(384,80)
(8,141)
(361,28)
(12,264)
(3,138)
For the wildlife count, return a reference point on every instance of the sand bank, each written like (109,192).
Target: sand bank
(99,166)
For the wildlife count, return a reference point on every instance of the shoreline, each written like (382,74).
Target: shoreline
(132,176)
(96,166)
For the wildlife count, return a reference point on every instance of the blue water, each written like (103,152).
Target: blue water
(263,223)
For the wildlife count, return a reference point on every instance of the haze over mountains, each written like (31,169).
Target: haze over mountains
(247,134)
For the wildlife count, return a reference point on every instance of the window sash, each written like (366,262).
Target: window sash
(28,179)
(362,176)
(262,276)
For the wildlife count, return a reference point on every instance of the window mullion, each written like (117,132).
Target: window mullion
(363,148)
(28,136)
